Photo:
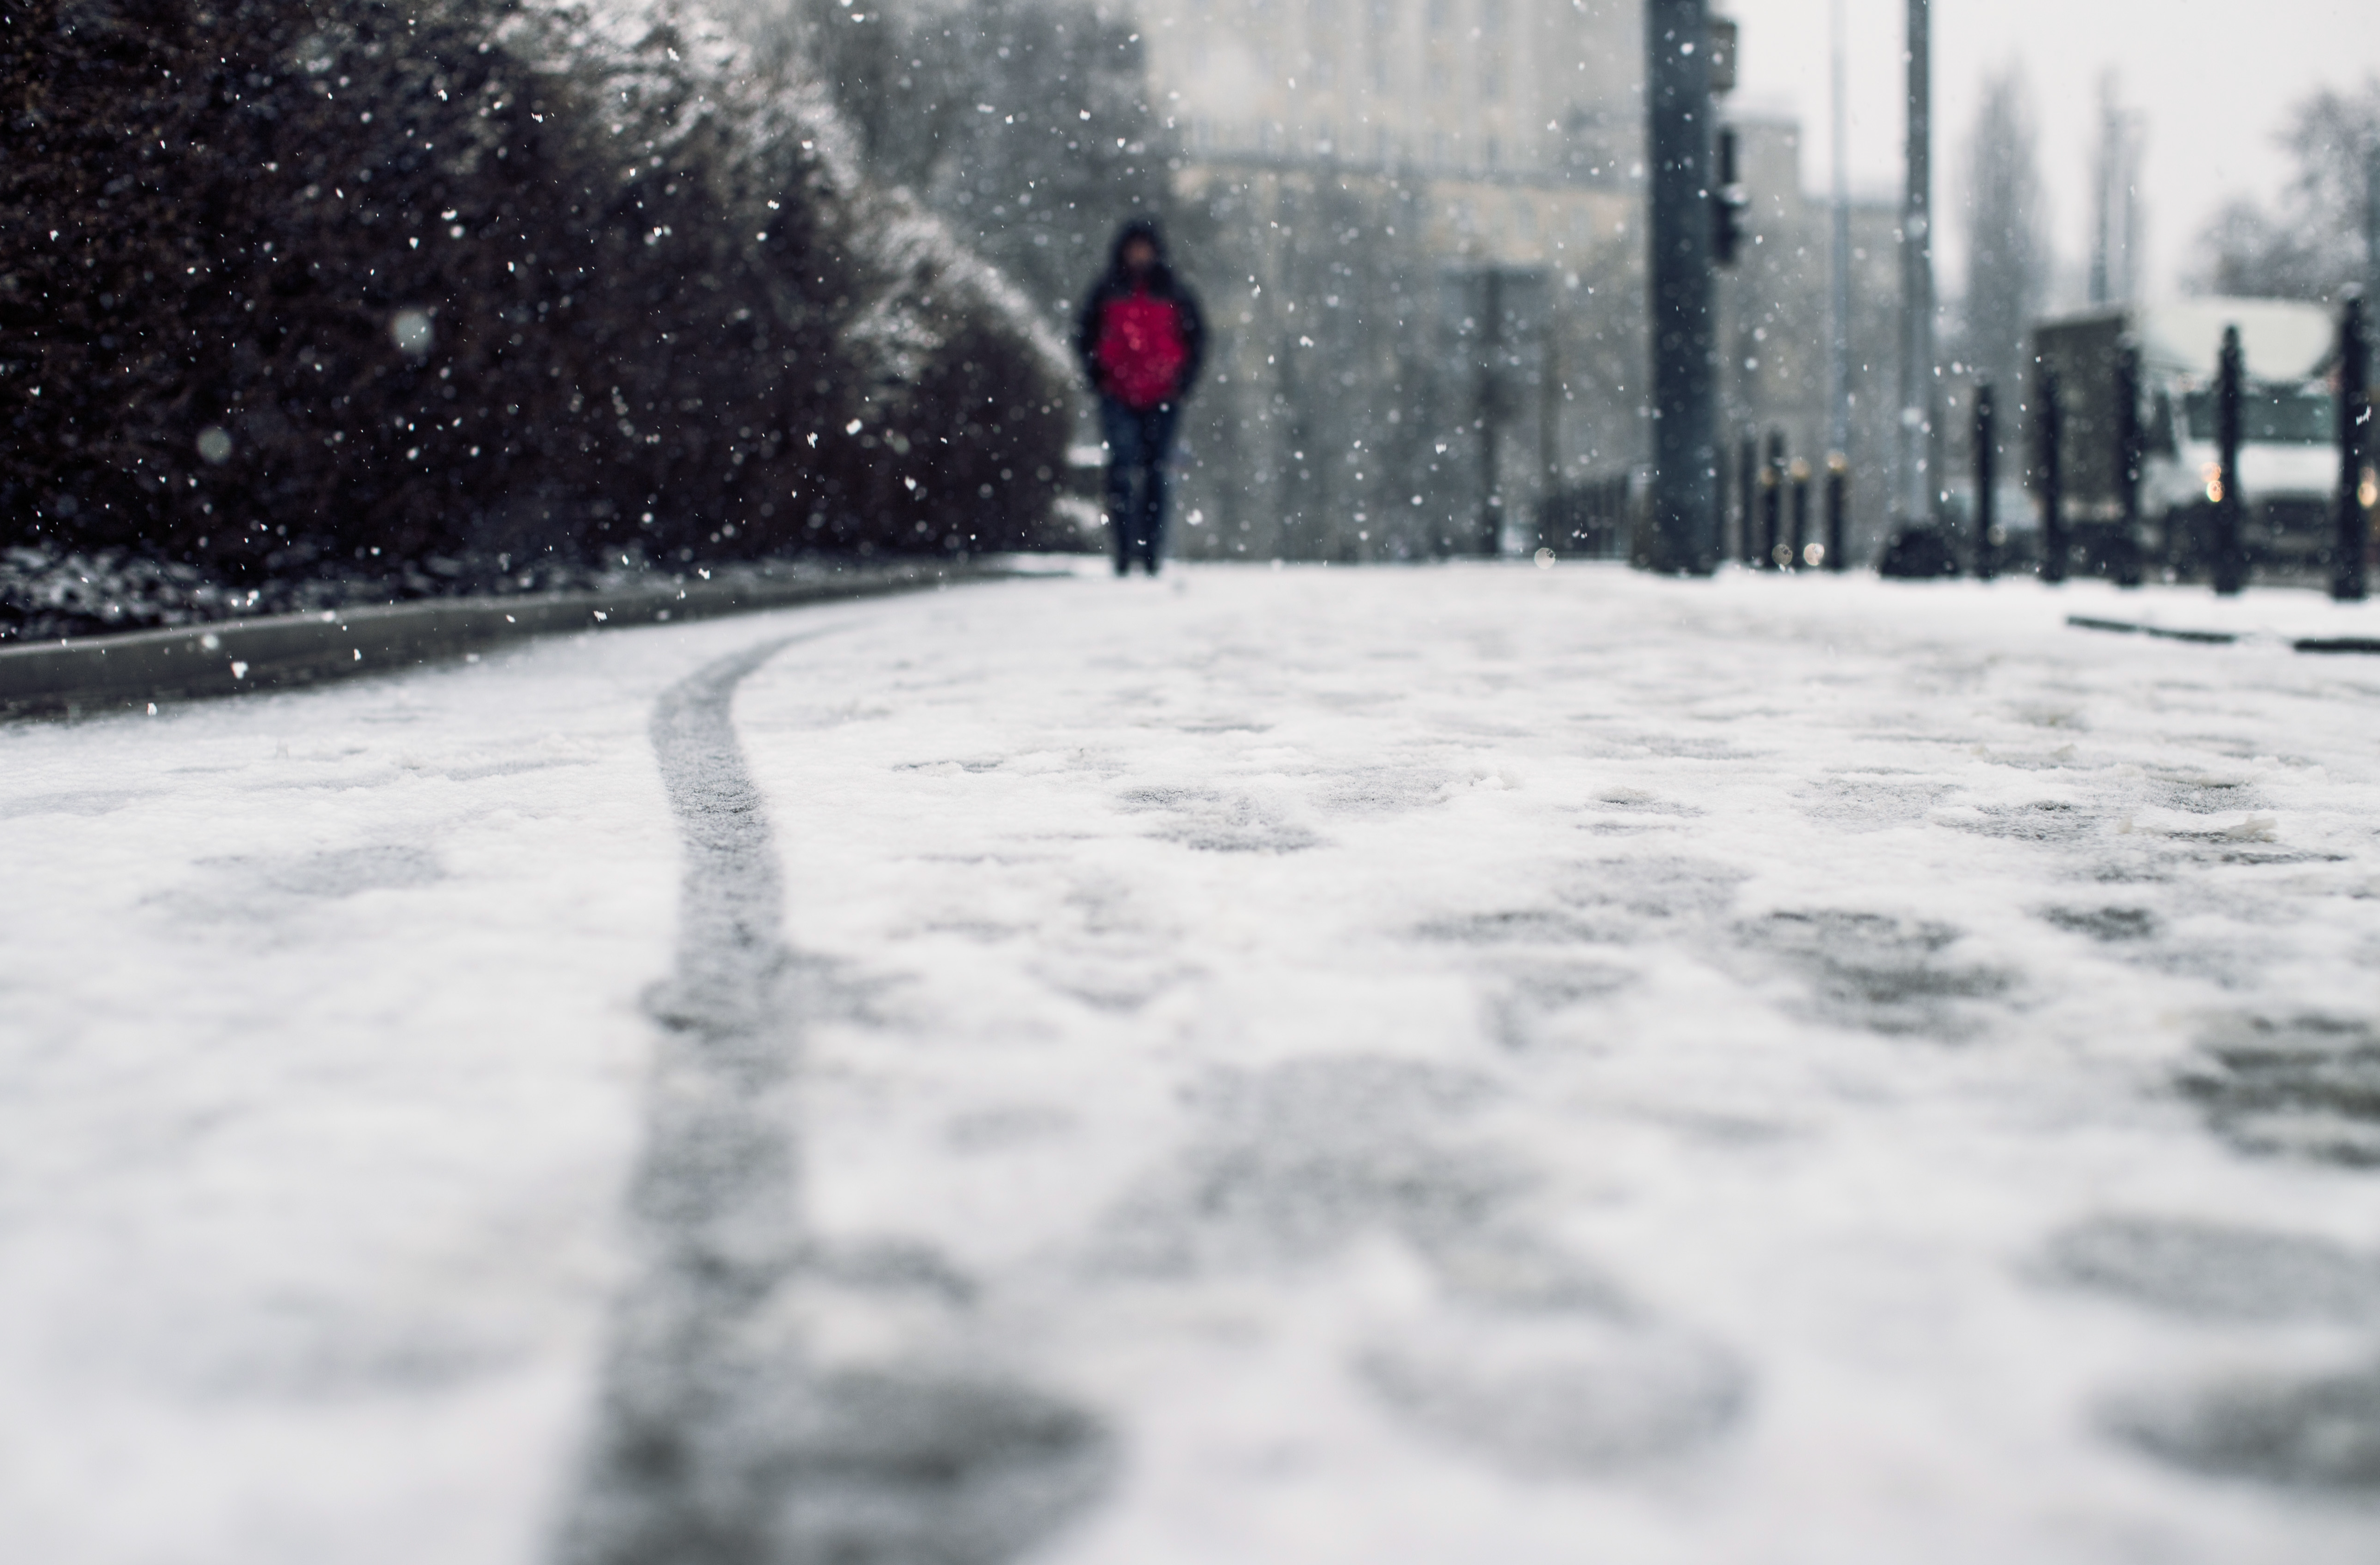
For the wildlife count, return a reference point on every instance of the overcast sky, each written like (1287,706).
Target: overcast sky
(2214,81)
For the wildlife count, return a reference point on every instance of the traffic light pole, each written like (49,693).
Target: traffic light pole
(1683,524)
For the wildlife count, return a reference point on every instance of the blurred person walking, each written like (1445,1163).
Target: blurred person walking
(1140,339)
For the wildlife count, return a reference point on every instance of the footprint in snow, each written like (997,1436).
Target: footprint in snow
(1524,1355)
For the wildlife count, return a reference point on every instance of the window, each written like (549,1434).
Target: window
(2270,414)
(1491,48)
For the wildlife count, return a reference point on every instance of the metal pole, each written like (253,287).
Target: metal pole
(1987,477)
(1684,521)
(2372,221)
(2103,200)
(1838,346)
(1491,503)
(1772,501)
(1838,473)
(2048,427)
(1915,500)
(2347,546)
(2129,454)
(1549,395)
(2230,561)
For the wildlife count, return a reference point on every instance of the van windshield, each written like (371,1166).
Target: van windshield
(2271,415)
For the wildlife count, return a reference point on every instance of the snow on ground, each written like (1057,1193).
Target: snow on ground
(1440,1063)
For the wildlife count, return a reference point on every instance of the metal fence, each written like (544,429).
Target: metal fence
(1593,520)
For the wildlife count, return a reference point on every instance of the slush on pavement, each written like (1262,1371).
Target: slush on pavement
(1281,1066)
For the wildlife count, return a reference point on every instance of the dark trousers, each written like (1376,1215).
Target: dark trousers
(1139,440)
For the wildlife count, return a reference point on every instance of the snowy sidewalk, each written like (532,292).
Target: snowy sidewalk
(1407,1065)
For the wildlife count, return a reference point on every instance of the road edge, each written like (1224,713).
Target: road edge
(93,674)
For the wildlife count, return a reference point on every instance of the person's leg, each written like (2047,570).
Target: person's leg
(1156,440)
(1120,429)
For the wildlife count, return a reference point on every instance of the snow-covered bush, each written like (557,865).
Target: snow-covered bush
(287,284)
(1025,124)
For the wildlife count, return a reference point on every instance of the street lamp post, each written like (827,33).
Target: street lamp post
(1839,279)
(1915,499)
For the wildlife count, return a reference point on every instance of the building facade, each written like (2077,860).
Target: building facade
(1525,89)
(1377,174)
(1776,327)
(1367,168)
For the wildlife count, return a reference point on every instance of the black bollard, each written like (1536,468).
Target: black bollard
(1726,502)
(1747,474)
(1772,502)
(1838,474)
(1987,474)
(2230,558)
(1798,555)
(1491,411)
(2124,556)
(2048,431)
(2353,534)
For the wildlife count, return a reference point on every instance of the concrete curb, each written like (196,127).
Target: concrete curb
(231,657)
(2325,644)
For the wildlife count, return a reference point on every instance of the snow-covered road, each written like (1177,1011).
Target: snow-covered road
(1269,1066)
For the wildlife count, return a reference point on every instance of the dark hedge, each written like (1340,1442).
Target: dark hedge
(283,283)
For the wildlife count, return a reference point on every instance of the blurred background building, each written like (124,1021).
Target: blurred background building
(1421,222)
(1422,213)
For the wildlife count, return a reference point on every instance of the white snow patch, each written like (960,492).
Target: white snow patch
(1445,1063)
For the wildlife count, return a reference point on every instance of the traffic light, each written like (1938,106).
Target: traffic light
(1727,203)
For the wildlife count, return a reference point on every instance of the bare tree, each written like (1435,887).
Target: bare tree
(2311,245)
(1025,124)
(2008,246)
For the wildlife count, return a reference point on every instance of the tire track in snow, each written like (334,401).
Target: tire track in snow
(723,1435)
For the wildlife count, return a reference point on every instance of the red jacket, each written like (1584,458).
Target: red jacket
(1141,339)
(1141,349)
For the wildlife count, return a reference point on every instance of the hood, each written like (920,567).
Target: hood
(1138,228)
